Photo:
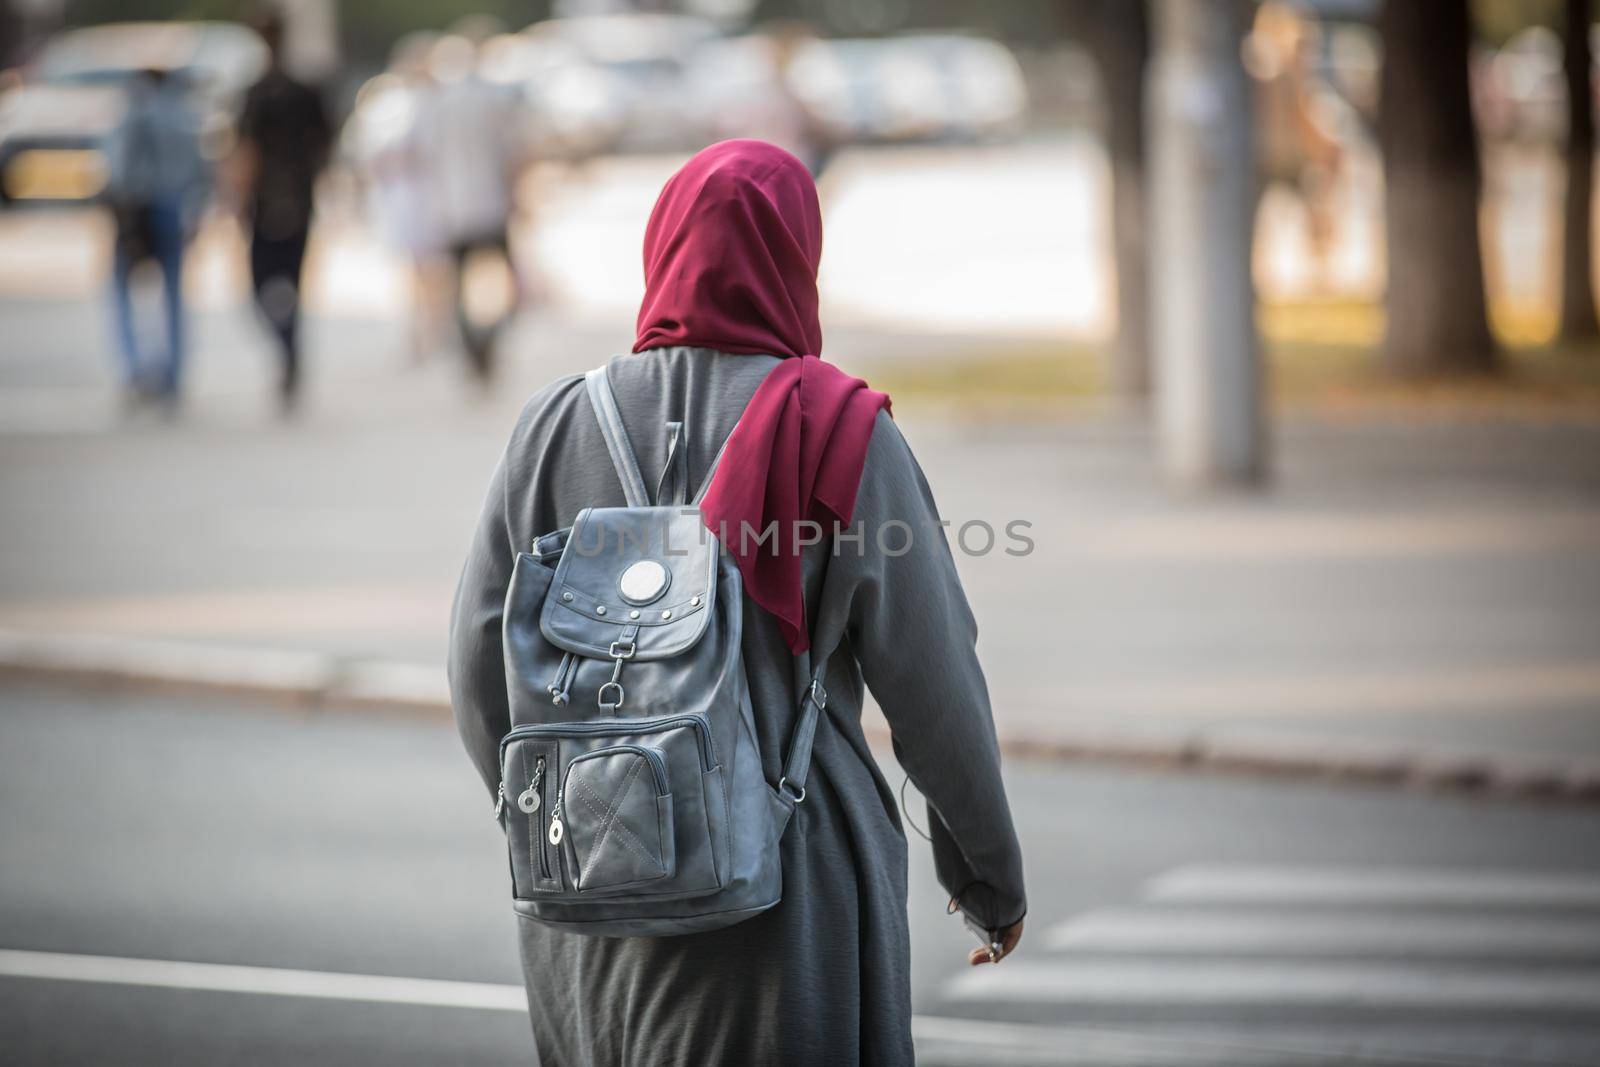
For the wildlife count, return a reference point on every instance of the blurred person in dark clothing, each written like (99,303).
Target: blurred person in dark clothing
(158,186)
(284,139)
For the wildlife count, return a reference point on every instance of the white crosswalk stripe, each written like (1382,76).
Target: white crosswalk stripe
(1329,933)
(949,1042)
(1389,886)
(1247,964)
(1387,986)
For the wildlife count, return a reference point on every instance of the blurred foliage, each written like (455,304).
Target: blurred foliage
(1014,20)
(367,27)
(370,27)
(1497,21)
(83,12)
(999,376)
(1318,353)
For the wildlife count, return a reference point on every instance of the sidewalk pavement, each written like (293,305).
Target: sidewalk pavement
(1414,600)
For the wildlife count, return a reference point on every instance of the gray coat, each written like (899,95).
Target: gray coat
(823,978)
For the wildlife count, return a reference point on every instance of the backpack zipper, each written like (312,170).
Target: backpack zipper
(658,767)
(557,827)
(702,732)
(534,788)
(657,764)
(529,800)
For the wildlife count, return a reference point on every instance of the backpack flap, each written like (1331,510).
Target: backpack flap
(645,575)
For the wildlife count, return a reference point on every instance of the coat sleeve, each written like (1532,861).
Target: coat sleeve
(915,638)
(476,664)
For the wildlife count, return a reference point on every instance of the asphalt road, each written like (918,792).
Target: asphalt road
(208,883)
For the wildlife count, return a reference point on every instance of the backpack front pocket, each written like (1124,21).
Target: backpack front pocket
(613,818)
(619,808)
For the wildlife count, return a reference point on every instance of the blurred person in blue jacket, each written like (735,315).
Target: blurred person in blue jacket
(159,187)
(284,141)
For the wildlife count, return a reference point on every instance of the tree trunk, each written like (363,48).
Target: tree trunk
(1438,321)
(1577,277)
(1117,34)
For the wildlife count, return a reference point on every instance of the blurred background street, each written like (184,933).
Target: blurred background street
(1325,514)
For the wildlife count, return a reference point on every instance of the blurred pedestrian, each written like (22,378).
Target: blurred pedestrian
(799,129)
(727,336)
(157,188)
(1297,148)
(379,140)
(284,140)
(468,135)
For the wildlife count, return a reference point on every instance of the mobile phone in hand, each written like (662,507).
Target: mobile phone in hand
(989,939)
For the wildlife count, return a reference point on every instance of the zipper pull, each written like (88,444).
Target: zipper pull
(557,828)
(528,800)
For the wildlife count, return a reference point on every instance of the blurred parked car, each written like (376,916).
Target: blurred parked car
(60,130)
(923,87)
(738,88)
(615,82)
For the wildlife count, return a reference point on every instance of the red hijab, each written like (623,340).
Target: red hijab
(730,263)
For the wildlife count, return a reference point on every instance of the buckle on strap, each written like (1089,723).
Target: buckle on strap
(621,652)
(818,695)
(787,788)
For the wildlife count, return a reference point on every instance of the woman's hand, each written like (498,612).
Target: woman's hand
(1009,938)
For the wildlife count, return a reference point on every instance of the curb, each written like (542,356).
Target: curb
(315,681)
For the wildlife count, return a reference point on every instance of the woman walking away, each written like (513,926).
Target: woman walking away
(827,525)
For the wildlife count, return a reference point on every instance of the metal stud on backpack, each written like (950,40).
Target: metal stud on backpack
(640,804)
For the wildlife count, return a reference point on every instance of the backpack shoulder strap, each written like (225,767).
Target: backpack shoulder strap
(673,488)
(813,699)
(711,471)
(604,402)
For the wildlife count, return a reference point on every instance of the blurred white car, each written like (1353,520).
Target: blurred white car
(59,129)
(738,89)
(921,87)
(615,82)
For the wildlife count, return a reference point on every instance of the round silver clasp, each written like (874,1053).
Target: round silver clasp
(643,581)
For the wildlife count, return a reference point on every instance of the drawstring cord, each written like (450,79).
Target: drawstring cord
(562,681)
(906,810)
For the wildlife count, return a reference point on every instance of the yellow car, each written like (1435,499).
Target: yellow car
(62,121)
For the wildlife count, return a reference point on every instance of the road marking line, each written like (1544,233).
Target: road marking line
(388,989)
(266,981)
(1180,932)
(1388,986)
(949,1040)
(1243,883)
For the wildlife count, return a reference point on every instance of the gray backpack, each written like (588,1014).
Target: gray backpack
(631,788)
